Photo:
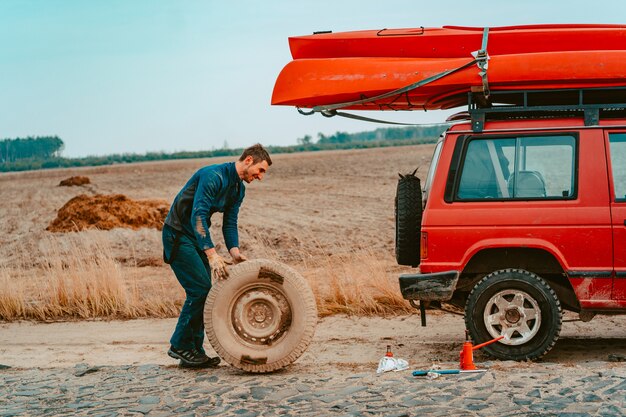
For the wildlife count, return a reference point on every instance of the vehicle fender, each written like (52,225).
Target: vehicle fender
(515,243)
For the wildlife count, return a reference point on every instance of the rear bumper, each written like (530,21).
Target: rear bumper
(437,286)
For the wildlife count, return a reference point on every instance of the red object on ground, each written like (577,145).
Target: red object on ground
(389,353)
(466,362)
(456,41)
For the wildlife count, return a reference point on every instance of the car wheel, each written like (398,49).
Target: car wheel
(518,305)
(262,318)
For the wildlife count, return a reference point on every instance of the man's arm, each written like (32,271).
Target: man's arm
(208,188)
(231,231)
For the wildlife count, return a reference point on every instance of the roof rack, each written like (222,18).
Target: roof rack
(588,102)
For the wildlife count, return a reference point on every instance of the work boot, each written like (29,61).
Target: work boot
(189,357)
(210,363)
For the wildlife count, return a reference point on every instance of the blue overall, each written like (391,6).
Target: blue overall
(215,188)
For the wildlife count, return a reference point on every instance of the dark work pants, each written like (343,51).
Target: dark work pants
(192,269)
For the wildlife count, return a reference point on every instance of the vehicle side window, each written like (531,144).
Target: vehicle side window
(534,167)
(618,162)
(483,173)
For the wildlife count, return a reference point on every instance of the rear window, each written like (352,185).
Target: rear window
(522,168)
(618,163)
(432,170)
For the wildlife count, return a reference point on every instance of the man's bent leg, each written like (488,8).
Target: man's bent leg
(185,334)
(195,279)
(198,321)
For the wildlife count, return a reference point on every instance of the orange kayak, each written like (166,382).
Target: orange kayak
(324,81)
(457,42)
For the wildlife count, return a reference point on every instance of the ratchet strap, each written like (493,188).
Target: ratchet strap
(482,60)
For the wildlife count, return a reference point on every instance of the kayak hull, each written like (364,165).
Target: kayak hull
(324,81)
(458,42)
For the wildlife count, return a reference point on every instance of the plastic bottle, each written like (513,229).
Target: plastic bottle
(389,353)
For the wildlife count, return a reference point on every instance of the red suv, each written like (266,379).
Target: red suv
(524,215)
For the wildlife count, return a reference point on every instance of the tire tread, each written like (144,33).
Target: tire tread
(408,213)
(551,293)
(310,307)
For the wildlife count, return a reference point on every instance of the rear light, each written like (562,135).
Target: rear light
(424,246)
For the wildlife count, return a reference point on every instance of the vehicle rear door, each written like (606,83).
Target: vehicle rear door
(616,147)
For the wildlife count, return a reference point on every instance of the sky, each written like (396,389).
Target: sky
(122,76)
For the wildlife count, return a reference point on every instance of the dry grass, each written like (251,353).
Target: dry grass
(82,281)
(361,284)
(345,280)
(319,212)
(12,297)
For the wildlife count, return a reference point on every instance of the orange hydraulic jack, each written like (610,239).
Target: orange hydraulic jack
(467,354)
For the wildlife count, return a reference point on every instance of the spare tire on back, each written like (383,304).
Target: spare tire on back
(262,318)
(408,210)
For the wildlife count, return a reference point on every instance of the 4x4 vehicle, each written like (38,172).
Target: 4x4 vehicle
(524,215)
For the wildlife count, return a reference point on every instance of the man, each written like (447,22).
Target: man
(188,248)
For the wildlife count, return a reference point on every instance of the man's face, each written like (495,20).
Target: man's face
(252,171)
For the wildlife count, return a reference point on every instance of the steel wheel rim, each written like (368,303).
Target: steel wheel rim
(513,314)
(260,315)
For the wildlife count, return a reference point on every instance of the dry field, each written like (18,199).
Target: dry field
(328,214)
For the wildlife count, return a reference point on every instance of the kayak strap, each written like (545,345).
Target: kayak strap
(481,59)
(398,92)
(332,113)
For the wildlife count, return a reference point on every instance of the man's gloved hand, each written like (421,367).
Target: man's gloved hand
(237,256)
(218,266)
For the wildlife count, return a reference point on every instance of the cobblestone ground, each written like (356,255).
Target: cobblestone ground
(507,389)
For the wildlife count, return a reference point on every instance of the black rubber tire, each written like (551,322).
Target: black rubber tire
(533,285)
(234,305)
(408,214)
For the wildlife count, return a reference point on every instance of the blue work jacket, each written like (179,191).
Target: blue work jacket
(214,188)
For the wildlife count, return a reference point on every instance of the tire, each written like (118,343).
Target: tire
(262,318)
(493,309)
(408,214)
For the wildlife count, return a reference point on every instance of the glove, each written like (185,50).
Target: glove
(237,256)
(218,267)
(239,259)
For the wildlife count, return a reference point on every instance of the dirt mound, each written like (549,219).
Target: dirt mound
(106,212)
(68,182)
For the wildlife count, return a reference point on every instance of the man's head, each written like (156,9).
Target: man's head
(253,163)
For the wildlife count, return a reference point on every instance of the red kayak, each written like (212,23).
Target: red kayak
(319,82)
(457,42)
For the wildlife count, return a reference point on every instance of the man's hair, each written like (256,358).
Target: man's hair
(258,154)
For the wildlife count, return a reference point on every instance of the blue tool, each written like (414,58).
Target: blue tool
(447,371)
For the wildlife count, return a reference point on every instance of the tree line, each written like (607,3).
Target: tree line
(45,151)
(423,132)
(35,148)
